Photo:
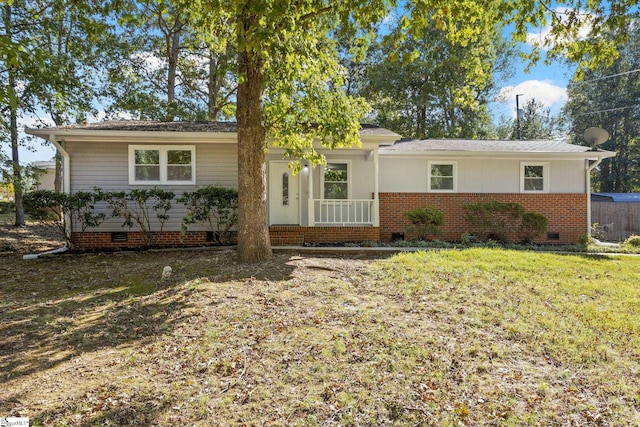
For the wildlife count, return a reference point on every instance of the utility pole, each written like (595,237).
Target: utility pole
(518,114)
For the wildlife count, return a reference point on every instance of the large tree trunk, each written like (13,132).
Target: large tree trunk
(173,50)
(17,173)
(254,243)
(13,125)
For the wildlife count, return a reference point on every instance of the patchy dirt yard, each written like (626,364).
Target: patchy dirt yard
(33,238)
(457,338)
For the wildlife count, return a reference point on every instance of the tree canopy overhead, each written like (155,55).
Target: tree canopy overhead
(607,97)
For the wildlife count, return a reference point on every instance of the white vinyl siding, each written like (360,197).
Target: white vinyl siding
(106,166)
(410,175)
(162,164)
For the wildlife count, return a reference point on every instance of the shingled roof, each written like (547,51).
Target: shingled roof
(182,126)
(469,145)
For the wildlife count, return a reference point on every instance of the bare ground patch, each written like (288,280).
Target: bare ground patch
(32,238)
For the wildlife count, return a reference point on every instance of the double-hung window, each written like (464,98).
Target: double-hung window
(162,164)
(534,177)
(336,181)
(442,176)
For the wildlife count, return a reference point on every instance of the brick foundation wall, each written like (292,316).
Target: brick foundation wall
(567,213)
(102,240)
(297,235)
(280,235)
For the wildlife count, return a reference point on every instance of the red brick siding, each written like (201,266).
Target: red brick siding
(296,235)
(290,235)
(102,240)
(567,213)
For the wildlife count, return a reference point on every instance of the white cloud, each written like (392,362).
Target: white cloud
(148,60)
(541,37)
(544,91)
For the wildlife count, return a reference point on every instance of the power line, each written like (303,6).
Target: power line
(608,77)
(609,110)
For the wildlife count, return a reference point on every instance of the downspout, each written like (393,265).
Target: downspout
(590,167)
(66,188)
(66,160)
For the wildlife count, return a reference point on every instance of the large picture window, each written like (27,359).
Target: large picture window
(162,164)
(442,176)
(534,177)
(336,181)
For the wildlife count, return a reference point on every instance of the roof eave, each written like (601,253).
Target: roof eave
(591,155)
(106,135)
(100,135)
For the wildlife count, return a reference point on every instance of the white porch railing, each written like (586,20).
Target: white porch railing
(343,212)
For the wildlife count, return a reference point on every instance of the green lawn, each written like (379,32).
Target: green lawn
(448,338)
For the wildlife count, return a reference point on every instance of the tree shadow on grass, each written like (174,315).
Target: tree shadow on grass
(53,310)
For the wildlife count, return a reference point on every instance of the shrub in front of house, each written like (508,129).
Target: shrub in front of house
(215,206)
(137,207)
(493,220)
(532,225)
(424,222)
(496,221)
(64,212)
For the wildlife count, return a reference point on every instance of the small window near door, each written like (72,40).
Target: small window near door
(285,189)
(336,181)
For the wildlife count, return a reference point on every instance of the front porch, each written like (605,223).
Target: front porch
(341,193)
(342,213)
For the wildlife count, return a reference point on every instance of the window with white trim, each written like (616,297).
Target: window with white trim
(162,164)
(534,177)
(335,183)
(442,176)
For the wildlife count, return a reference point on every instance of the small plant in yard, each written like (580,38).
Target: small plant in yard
(585,239)
(597,231)
(424,222)
(215,206)
(135,209)
(632,241)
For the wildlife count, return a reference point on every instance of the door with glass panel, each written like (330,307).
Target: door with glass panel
(284,197)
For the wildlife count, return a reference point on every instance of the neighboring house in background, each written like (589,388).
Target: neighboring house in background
(617,215)
(46,180)
(360,195)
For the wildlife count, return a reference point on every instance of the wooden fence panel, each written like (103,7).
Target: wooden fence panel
(617,221)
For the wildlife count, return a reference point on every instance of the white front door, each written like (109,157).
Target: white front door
(284,198)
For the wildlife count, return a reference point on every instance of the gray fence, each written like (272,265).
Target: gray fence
(616,221)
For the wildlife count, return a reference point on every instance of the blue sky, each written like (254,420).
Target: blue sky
(546,83)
